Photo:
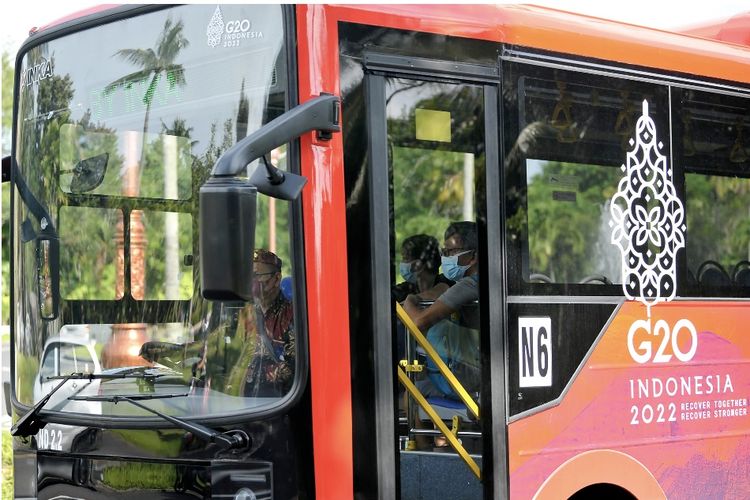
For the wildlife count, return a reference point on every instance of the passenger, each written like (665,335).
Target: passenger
(460,263)
(419,267)
(451,323)
(271,370)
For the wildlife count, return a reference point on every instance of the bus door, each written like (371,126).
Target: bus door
(431,161)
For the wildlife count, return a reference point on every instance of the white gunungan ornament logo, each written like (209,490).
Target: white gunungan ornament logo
(648,226)
(215,28)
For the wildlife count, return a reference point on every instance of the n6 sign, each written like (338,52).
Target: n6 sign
(534,352)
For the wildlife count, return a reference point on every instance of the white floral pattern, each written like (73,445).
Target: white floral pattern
(647,219)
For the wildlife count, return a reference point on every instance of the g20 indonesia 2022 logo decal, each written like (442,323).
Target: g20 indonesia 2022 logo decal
(229,33)
(648,226)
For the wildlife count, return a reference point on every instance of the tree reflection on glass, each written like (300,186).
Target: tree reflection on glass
(153,64)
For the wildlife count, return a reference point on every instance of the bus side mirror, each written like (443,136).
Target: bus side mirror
(88,174)
(227,238)
(228,203)
(48,276)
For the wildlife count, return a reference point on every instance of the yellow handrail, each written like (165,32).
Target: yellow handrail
(435,357)
(450,436)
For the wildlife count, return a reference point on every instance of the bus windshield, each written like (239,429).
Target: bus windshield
(118,126)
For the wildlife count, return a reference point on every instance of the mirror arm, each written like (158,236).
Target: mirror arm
(274,175)
(320,113)
(36,208)
(228,202)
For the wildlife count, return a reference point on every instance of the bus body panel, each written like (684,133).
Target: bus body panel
(686,423)
(563,32)
(325,247)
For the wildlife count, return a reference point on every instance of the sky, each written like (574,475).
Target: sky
(17,17)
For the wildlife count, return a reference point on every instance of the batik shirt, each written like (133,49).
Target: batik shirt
(272,375)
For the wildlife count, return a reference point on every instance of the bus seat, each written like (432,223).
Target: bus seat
(711,273)
(691,278)
(286,287)
(446,409)
(741,273)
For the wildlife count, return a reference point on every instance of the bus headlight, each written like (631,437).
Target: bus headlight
(244,494)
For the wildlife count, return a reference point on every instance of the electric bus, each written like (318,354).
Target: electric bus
(209,211)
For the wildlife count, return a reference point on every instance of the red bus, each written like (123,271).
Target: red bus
(216,209)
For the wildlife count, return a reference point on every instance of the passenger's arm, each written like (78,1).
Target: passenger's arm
(434,292)
(425,318)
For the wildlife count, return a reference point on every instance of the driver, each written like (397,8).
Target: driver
(271,370)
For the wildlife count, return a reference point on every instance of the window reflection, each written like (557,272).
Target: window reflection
(167,243)
(715,150)
(167,161)
(566,140)
(115,146)
(88,248)
(562,196)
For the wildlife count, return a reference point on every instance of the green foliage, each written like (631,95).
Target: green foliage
(7,82)
(7,490)
(428,191)
(162,443)
(40,144)
(88,252)
(140,475)
(85,140)
(27,369)
(566,207)
(718,220)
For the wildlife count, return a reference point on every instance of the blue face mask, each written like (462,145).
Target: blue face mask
(405,269)
(451,269)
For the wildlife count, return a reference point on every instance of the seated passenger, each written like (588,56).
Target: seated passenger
(419,267)
(460,263)
(271,371)
(451,323)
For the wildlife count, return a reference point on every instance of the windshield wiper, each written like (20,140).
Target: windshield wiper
(135,372)
(226,440)
(32,422)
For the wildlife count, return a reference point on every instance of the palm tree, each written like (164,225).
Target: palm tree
(152,64)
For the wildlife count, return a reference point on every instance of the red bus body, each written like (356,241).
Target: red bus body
(544,437)
(587,438)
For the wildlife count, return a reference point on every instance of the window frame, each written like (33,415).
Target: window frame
(377,68)
(686,287)
(514,119)
(675,84)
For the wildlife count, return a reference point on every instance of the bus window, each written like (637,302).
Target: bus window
(436,152)
(100,280)
(567,139)
(714,149)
